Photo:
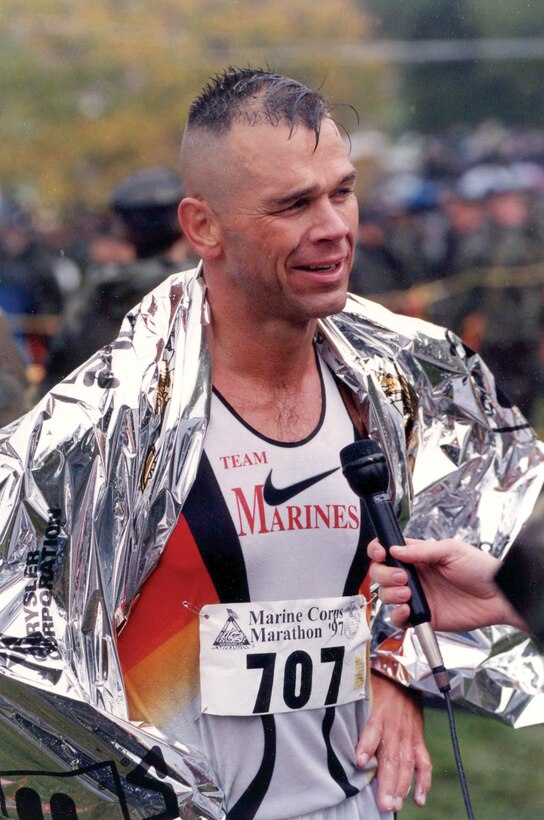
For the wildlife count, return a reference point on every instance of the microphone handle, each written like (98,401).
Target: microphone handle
(389,534)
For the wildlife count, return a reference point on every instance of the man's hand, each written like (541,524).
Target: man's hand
(457,580)
(394,733)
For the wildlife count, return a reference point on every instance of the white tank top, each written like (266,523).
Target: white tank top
(298,527)
(265,523)
(290,503)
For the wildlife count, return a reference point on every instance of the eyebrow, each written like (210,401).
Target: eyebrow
(301,193)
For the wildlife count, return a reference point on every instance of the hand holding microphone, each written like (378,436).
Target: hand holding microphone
(458,579)
(365,468)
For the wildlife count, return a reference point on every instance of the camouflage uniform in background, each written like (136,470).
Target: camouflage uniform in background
(513,315)
(13,380)
(467,249)
(375,268)
(95,314)
(495,243)
(146,204)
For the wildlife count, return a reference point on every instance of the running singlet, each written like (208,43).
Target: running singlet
(267,527)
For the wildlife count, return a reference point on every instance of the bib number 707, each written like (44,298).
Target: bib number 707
(298,674)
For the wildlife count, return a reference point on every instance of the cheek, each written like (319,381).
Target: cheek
(279,245)
(352,219)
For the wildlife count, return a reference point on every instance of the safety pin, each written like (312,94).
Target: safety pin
(188,605)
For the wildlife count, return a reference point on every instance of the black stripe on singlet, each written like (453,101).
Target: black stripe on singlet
(213,529)
(361,562)
(211,526)
(336,769)
(248,804)
(357,572)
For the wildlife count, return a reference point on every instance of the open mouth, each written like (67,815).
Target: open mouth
(332,267)
(324,268)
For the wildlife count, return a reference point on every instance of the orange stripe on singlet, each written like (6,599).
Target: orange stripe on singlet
(159,646)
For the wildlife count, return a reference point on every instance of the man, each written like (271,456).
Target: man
(153,525)
(271,210)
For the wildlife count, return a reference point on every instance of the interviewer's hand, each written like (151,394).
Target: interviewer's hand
(456,577)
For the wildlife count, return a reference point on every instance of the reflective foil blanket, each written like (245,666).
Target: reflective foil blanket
(92,481)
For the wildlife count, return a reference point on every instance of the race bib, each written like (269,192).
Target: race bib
(283,656)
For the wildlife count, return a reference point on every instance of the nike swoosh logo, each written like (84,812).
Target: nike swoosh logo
(274,496)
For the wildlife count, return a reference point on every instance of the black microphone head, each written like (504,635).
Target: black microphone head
(365,468)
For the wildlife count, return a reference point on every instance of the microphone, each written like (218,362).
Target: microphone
(365,468)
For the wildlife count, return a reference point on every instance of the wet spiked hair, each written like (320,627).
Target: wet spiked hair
(253,95)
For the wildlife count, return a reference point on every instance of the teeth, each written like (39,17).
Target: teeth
(321,267)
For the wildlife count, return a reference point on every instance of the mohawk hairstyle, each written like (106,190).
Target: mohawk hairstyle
(253,95)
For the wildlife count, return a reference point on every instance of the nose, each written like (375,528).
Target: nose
(329,223)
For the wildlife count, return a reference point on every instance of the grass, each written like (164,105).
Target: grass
(503,767)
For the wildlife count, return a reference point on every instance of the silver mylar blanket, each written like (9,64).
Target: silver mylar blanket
(92,482)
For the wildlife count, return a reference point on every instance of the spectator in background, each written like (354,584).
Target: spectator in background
(503,315)
(466,250)
(461,244)
(14,398)
(29,292)
(400,244)
(376,269)
(416,226)
(123,268)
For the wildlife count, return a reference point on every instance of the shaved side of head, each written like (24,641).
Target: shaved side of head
(208,168)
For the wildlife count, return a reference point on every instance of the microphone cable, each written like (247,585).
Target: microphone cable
(457,755)
(365,469)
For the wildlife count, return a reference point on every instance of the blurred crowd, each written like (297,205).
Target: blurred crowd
(64,291)
(451,229)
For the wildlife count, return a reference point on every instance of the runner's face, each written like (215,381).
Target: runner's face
(289,225)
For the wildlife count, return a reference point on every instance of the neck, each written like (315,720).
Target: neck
(264,353)
(271,379)
(250,344)
(267,371)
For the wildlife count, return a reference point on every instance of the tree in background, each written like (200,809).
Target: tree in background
(91,91)
(437,94)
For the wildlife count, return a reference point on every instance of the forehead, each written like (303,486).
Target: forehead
(274,158)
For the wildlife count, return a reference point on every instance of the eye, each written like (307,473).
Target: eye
(294,206)
(343,193)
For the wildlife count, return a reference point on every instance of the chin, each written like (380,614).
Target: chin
(328,305)
(335,302)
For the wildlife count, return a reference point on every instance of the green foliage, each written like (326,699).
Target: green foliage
(436,94)
(92,90)
(501,767)
(510,18)
(420,19)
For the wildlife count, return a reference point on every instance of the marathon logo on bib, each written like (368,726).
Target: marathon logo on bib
(282,656)
(231,636)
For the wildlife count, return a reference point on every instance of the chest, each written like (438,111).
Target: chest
(296,521)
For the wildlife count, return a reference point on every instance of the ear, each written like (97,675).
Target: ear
(201,226)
